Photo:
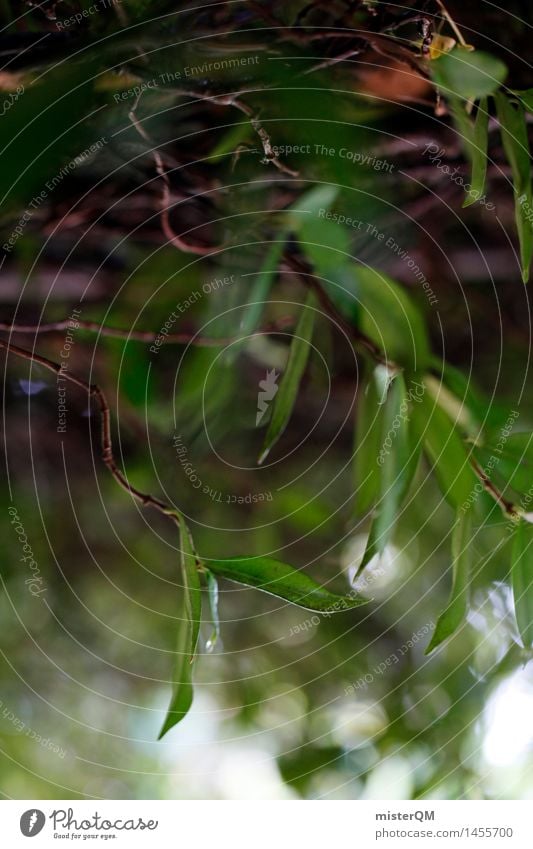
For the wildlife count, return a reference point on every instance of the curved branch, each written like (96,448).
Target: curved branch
(94,391)
(147,336)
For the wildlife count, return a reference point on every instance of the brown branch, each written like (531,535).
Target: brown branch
(305,273)
(237,103)
(507,506)
(108,458)
(166,226)
(139,335)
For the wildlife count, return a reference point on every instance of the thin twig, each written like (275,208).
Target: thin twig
(172,236)
(147,336)
(452,23)
(307,277)
(237,103)
(94,391)
(507,506)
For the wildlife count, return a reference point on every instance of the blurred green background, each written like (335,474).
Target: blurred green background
(288,704)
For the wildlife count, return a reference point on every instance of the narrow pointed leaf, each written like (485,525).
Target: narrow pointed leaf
(368,429)
(511,116)
(397,461)
(455,612)
(212,589)
(526,96)
(281,580)
(288,388)
(445,449)
(478,151)
(522,580)
(262,285)
(188,630)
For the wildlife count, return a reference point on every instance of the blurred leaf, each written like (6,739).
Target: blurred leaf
(262,285)
(468,74)
(188,630)
(44,130)
(326,244)
(230,141)
(445,449)
(526,96)
(212,588)
(478,151)
(397,463)
(390,318)
(283,581)
(516,145)
(288,388)
(455,612)
(466,391)
(310,203)
(368,430)
(522,580)
(509,461)
(299,767)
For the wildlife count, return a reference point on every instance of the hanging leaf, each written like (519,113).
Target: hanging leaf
(326,244)
(188,630)
(212,589)
(306,207)
(368,430)
(445,449)
(455,612)
(526,96)
(230,141)
(468,74)
(390,318)
(262,285)
(310,204)
(515,140)
(509,462)
(397,459)
(288,388)
(283,581)
(522,580)
(478,151)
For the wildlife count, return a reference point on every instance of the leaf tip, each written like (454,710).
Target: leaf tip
(263,455)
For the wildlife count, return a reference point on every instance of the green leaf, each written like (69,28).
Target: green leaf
(310,204)
(455,612)
(463,124)
(397,460)
(307,206)
(285,398)
(44,131)
(326,244)
(514,132)
(390,318)
(466,391)
(262,285)
(445,449)
(522,580)
(468,74)
(188,630)
(478,151)
(212,588)
(509,462)
(368,430)
(230,141)
(526,96)
(283,581)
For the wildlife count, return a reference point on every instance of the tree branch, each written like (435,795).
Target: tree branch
(94,391)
